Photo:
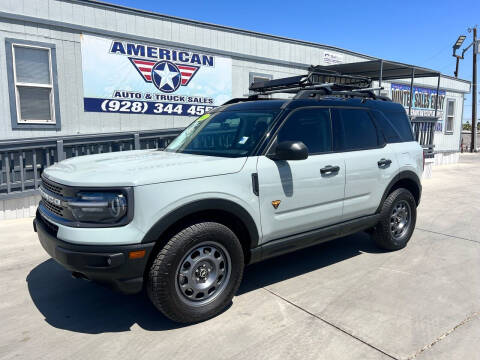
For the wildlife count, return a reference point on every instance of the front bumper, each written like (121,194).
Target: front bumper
(108,265)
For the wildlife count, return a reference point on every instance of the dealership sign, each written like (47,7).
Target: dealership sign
(330,58)
(423,101)
(130,77)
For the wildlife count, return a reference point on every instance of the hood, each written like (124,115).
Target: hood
(139,167)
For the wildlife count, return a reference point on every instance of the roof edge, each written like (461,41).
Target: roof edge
(127,9)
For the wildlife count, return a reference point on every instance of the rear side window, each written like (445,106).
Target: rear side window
(391,135)
(359,131)
(399,120)
(311,126)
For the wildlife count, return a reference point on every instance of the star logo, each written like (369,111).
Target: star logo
(174,73)
(166,76)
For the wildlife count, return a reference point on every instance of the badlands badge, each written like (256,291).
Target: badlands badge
(276,204)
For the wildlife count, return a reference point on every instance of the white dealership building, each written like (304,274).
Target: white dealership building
(73,68)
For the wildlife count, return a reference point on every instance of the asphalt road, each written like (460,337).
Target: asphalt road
(340,300)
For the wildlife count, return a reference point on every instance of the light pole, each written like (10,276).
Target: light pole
(456,46)
(473,146)
(475,44)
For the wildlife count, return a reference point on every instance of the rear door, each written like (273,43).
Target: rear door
(370,163)
(307,194)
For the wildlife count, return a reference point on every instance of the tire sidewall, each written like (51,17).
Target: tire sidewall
(388,239)
(187,239)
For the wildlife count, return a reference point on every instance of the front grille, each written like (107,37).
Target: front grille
(58,210)
(59,192)
(51,228)
(55,188)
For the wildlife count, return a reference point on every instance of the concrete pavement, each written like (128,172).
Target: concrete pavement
(340,300)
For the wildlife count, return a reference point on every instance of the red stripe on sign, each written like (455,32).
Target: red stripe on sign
(148,77)
(186,74)
(141,62)
(184,81)
(145,69)
(189,68)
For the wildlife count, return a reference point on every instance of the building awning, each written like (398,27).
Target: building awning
(383,70)
(388,70)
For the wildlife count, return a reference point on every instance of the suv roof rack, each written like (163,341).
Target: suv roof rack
(318,82)
(316,77)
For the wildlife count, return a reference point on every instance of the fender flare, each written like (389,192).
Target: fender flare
(406,174)
(179,213)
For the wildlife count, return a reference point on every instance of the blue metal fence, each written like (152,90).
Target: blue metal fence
(22,161)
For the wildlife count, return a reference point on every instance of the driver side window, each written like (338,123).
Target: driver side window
(312,126)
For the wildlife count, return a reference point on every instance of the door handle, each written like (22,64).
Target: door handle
(330,170)
(384,163)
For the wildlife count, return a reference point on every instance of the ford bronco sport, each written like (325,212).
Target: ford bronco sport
(251,179)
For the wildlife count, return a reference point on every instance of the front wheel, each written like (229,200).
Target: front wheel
(397,220)
(195,276)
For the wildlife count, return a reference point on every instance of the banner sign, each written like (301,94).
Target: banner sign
(330,58)
(129,77)
(423,101)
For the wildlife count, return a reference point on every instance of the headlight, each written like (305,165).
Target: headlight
(99,207)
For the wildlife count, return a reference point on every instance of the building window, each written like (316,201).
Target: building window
(449,120)
(32,84)
(257,77)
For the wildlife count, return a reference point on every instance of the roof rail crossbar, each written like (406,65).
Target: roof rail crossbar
(295,90)
(360,93)
(316,77)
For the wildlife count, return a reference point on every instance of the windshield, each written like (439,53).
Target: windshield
(226,133)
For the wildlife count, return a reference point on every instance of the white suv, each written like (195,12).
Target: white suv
(250,180)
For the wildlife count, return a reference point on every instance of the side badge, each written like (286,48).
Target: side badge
(276,203)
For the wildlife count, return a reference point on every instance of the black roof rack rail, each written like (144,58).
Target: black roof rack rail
(253,97)
(367,93)
(317,77)
(318,82)
(237,100)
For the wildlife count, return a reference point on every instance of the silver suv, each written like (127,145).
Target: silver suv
(249,180)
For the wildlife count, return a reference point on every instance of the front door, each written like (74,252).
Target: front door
(297,196)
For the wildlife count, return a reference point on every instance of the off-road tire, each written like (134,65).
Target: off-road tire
(382,232)
(163,274)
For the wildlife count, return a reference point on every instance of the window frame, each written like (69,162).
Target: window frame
(273,140)
(381,140)
(450,100)
(13,84)
(253,151)
(376,114)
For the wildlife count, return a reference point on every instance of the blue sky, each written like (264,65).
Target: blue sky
(419,32)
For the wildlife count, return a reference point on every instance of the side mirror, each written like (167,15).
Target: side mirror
(289,150)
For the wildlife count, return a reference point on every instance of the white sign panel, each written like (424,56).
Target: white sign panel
(130,77)
(330,58)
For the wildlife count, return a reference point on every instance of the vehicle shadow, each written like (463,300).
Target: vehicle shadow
(303,261)
(85,307)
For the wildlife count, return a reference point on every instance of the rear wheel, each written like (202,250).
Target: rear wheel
(397,220)
(195,276)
